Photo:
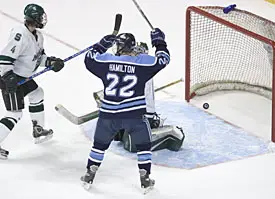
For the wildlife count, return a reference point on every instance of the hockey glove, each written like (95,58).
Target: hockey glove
(157,37)
(56,63)
(105,43)
(10,82)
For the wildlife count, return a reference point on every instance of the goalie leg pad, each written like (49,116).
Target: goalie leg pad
(167,137)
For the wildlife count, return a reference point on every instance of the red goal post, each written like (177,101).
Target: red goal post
(234,51)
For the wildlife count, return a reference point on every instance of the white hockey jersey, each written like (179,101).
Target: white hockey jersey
(24,52)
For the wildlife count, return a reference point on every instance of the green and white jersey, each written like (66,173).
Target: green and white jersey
(24,52)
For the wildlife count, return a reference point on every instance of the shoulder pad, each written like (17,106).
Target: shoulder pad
(19,29)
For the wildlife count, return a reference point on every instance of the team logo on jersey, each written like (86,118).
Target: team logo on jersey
(38,55)
(38,58)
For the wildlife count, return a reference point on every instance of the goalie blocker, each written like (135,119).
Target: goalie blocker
(166,137)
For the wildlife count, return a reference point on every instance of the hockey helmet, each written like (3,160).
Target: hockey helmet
(35,14)
(124,43)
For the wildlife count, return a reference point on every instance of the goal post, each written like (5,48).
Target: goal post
(234,51)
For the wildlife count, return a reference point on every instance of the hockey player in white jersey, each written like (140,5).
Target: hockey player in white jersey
(19,59)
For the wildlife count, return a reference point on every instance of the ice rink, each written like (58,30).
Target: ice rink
(53,169)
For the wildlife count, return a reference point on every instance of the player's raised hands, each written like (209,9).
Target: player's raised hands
(105,43)
(157,37)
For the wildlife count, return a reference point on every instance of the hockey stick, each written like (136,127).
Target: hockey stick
(117,24)
(73,118)
(50,67)
(115,32)
(168,85)
(142,13)
(90,116)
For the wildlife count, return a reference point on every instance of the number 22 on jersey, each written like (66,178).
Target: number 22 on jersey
(124,91)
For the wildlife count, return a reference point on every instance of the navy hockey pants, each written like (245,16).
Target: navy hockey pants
(139,130)
(106,129)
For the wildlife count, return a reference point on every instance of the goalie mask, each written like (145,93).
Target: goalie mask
(141,48)
(124,44)
(36,15)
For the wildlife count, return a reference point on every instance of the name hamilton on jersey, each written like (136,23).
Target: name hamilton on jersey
(122,68)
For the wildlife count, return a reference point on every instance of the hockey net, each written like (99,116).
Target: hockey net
(233,51)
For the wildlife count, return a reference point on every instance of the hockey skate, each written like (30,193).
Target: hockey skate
(4,154)
(41,135)
(88,178)
(147,183)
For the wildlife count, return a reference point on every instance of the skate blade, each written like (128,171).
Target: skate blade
(42,139)
(147,190)
(86,186)
(3,157)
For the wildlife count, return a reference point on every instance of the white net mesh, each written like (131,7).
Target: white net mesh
(222,58)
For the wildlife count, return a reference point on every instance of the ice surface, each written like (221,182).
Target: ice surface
(208,139)
(52,170)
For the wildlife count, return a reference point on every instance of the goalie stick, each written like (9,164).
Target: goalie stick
(92,115)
